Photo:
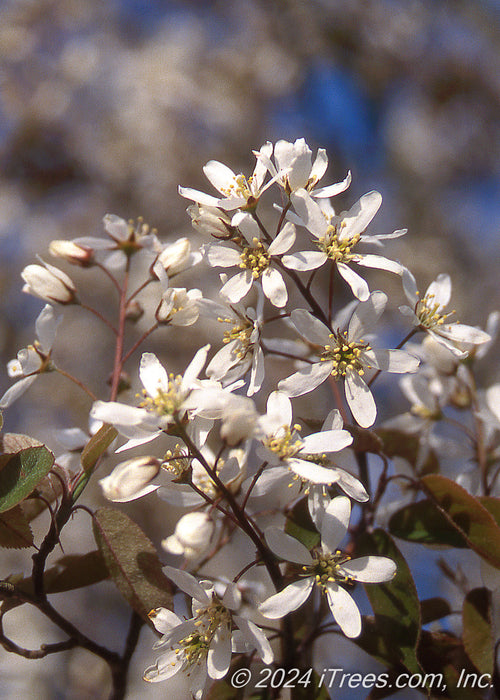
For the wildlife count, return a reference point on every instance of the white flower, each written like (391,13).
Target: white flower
(49,283)
(237,191)
(346,355)
(305,459)
(201,647)
(165,400)
(131,479)
(178,306)
(127,238)
(337,236)
(34,359)
(241,351)
(294,162)
(231,472)
(326,569)
(192,536)
(492,396)
(254,256)
(428,313)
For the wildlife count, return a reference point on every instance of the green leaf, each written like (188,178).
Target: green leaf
(132,562)
(477,632)
(299,525)
(97,446)
(422,522)
(466,513)
(21,473)
(15,531)
(399,444)
(392,635)
(432,609)
(49,488)
(492,505)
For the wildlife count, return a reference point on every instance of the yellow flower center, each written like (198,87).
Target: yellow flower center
(255,258)
(194,647)
(176,461)
(327,568)
(338,250)
(428,312)
(285,442)
(165,402)
(241,332)
(344,354)
(242,187)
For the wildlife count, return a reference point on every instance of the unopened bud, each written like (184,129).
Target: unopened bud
(131,479)
(72,252)
(175,257)
(134,311)
(210,221)
(192,536)
(49,283)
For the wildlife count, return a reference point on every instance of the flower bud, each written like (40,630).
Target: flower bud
(192,536)
(72,252)
(49,283)
(175,257)
(130,480)
(210,221)
(135,311)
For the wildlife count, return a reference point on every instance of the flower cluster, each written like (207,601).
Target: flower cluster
(265,490)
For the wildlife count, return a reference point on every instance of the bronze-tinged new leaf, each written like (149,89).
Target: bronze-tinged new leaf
(21,473)
(132,562)
(15,531)
(399,444)
(392,636)
(467,515)
(432,609)
(10,443)
(424,523)
(97,446)
(445,664)
(477,631)
(76,571)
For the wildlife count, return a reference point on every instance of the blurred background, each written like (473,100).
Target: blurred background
(107,107)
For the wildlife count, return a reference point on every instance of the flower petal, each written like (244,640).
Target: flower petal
(305,380)
(309,327)
(219,653)
(366,315)
(274,287)
(237,287)
(153,374)
(283,241)
(357,284)
(186,583)
(335,523)
(287,547)
(360,399)
(370,569)
(326,441)
(287,600)
(256,638)
(344,610)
